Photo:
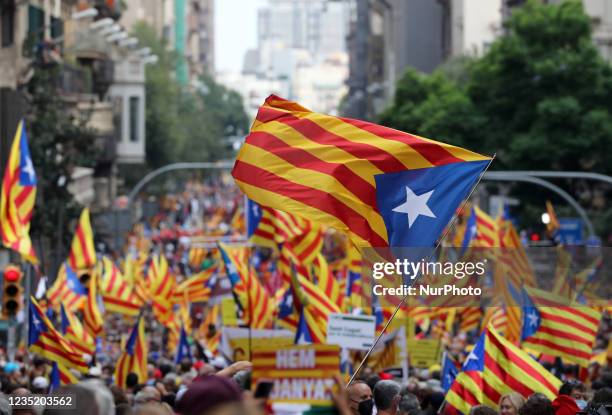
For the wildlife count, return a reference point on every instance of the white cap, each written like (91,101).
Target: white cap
(95,371)
(40,382)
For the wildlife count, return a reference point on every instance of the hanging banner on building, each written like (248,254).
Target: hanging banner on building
(301,374)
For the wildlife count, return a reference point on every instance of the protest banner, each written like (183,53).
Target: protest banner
(301,374)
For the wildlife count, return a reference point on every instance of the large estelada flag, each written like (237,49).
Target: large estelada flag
(495,367)
(18,197)
(383,186)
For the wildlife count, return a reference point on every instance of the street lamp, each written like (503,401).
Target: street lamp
(83,14)
(117,36)
(110,30)
(144,51)
(129,42)
(150,59)
(101,24)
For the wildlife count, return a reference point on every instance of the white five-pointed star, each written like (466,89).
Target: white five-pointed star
(533,319)
(414,206)
(29,168)
(471,356)
(255,210)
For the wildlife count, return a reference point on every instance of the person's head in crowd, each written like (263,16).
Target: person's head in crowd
(211,395)
(602,397)
(148,394)
(123,409)
(39,385)
(408,403)
(5,407)
(606,379)
(510,403)
(119,395)
(206,369)
(482,410)
(243,379)
(537,404)
(131,380)
(169,399)
(102,394)
(169,382)
(360,396)
(83,398)
(165,368)
(152,409)
(372,381)
(185,365)
(39,366)
(386,397)
(571,399)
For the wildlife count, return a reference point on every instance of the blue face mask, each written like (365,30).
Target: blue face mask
(581,403)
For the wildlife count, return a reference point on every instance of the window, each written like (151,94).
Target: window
(36,23)
(134,116)
(7,22)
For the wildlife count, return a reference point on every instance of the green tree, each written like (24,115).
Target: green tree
(59,141)
(545,91)
(539,98)
(184,124)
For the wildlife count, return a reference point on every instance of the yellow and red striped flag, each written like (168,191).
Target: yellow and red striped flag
(270,227)
(73,331)
(195,289)
(82,254)
(60,375)
(470,318)
(314,307)
(67,290)
(18,197)
(161,281)
(46,341)
(134,358)
(256,303)
(495,367)
(116,292)
(557,327)
(326,281)
(553,224)
(93,315)
(382,186)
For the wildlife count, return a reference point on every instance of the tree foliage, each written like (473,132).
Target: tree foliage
(185,124)
(539,97)
(59,141)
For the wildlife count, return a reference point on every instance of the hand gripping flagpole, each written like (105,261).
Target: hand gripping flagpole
(397,308)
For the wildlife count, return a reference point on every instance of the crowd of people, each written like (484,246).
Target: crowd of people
(194,387)
(213,385)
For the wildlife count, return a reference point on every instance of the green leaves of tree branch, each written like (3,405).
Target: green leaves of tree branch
(539,97)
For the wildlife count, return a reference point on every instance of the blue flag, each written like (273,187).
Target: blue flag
(449,373)
(183,350)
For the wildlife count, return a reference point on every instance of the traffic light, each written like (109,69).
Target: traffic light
(11,301)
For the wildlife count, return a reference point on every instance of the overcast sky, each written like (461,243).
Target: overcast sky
(235,31)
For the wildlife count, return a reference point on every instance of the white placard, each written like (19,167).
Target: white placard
(351,331)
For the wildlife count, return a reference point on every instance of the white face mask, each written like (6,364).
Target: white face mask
(581,403)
